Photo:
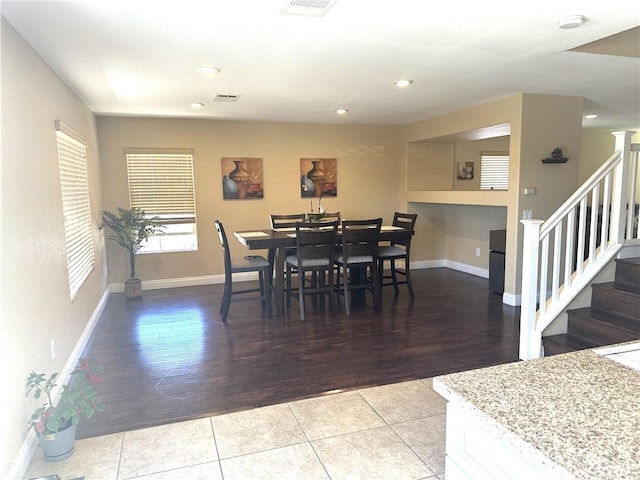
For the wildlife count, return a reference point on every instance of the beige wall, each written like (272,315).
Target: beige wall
(36,307)
(429,166)
(539,123)
(370,178)
(372,181)
(504,111)
(595,148)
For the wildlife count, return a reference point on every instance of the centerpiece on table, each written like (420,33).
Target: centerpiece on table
(320,213)
(55,425)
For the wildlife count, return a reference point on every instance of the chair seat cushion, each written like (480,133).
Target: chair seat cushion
(309,262)
(389,251)
(250,262)
(355,259)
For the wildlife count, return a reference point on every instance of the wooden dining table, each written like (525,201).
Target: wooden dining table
(280,239)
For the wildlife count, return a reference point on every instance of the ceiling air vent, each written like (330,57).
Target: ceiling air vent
(222,97)
(308,8)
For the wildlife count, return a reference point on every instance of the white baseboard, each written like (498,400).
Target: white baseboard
(185,282)
(511,299)
(30,443)
(470,269)
(21,463)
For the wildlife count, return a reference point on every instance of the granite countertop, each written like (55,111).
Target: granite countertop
(577,415)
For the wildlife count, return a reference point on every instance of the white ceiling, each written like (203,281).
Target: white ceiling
(141,57)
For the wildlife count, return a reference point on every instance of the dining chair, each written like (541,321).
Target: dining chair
(250,263)
(358,261)
(398,250)
(284,221)
(315,248)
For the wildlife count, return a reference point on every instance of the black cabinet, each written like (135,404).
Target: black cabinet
(497,247)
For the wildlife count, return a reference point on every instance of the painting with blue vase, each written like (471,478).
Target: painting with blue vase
(242,178)
(318,177)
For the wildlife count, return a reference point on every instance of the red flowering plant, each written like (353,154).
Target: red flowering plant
(78,398)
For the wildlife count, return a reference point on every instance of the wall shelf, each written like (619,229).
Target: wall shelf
(496,198)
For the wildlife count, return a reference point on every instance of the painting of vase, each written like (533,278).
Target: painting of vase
(242,178)
(318,177)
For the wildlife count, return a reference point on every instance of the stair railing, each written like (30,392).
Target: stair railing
(563,254)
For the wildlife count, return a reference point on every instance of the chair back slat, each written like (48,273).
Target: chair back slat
(315,240)
(360,237)
(286,221)
(406,221)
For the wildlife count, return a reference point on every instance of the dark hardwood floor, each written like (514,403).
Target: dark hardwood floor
(168,357)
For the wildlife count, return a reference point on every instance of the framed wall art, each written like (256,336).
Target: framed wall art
(318,177)
(242,178)
(465,170)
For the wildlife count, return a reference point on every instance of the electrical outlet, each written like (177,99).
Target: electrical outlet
(52,346)
(477,252)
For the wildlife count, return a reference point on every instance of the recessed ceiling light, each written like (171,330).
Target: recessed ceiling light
(206,70)
(403,83)
(591,116)
(571,21)
(342,111)
(196,105)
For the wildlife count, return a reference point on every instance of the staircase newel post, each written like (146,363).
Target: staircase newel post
(530,340)
(620,187)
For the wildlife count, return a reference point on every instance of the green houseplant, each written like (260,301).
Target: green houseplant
(129,229)
(55,425)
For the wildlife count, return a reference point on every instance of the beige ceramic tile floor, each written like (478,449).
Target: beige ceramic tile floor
(389,432)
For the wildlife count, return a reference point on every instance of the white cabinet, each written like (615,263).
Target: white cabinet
(477,452)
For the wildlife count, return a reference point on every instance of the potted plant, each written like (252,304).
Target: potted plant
(55,426)
(129,229)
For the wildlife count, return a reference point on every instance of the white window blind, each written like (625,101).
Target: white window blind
(494,172)
(76,207)
(161,184)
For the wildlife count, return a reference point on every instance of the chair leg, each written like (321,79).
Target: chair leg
(268,292)
(407,273)
(347,300)
(394,276)
(226,302)
(301,294)
(263,298)
(337,287)
(332,293)
(377,289)
(287,290)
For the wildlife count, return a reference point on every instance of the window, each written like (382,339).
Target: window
(161,184)
(76,208)
(494,171)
